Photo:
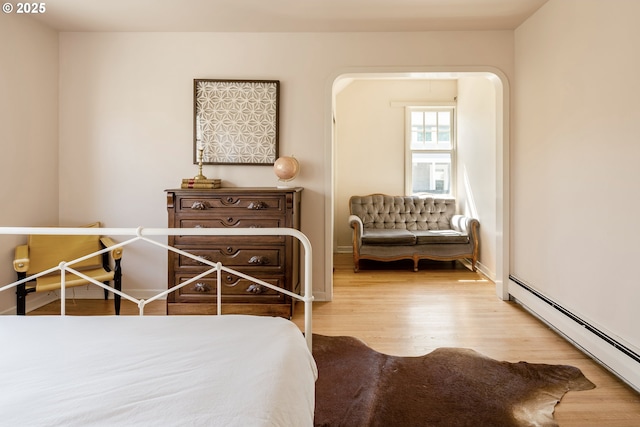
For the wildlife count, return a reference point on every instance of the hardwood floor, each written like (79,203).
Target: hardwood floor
(397,311)
(400,312)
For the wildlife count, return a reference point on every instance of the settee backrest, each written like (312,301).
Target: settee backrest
(403,212)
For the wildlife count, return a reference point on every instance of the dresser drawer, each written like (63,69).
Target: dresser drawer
(267,259)
(234,289)
(230,221)
(246,202)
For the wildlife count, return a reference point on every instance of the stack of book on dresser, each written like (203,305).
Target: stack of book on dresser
(200,183)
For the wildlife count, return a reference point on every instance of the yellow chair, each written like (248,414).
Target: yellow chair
(45,251)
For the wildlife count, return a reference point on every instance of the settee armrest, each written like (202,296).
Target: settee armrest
(464,224)
(355,222)
(468,226)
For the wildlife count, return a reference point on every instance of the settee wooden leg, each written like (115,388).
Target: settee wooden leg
(416,261)
(356,262)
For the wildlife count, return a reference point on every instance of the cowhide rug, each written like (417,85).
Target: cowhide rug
(358,386)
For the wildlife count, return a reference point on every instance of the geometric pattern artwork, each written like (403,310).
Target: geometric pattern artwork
(236,121)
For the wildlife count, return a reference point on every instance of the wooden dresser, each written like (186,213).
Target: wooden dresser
(273,259)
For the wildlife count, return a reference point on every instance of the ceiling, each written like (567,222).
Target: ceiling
(287,15)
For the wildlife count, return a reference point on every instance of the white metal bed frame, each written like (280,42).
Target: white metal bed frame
(142,234)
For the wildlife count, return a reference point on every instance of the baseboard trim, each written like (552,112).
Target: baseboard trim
(616,356)
(318,297)
(486,272)
(34,301)
(481,268)
(344,249)
(40,299)
(98,293)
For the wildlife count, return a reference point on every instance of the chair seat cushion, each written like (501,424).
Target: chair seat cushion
(51,282)
(425,237)
(387,237)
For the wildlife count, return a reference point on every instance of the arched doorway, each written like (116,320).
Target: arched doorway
(496,221)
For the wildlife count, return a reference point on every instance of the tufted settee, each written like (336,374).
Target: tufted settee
(390,228)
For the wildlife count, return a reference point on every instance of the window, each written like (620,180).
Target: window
(430,164)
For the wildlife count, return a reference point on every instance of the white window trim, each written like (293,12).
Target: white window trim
(408,168)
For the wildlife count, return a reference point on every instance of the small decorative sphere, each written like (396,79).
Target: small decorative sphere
(286,168)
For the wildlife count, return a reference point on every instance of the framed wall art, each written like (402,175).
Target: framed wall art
(235,122)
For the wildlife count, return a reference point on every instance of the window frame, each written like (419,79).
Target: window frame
(409,151)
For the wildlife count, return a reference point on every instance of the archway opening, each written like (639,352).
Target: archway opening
(481,98)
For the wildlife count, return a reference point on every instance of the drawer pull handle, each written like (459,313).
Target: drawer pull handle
(229,249)
(229,199)
(230,219)
(256,206)
(258,260)
(201,287)
(199,205)
(229,279)
(256,289)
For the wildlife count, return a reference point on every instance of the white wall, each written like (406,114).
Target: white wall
(126,109)
(28,134)
(574,166)
(477,162)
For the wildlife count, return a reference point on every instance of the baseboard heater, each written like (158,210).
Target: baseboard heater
(586,325)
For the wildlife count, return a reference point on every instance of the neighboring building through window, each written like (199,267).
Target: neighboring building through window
(430,162)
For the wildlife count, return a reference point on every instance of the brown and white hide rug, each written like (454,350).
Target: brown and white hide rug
(358,386)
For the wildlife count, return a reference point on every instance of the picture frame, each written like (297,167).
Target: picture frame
(236,122)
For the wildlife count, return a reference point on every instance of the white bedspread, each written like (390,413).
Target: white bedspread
(230,370)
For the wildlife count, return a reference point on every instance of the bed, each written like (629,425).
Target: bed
(230,370)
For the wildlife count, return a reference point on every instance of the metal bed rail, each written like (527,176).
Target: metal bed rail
(143,234)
